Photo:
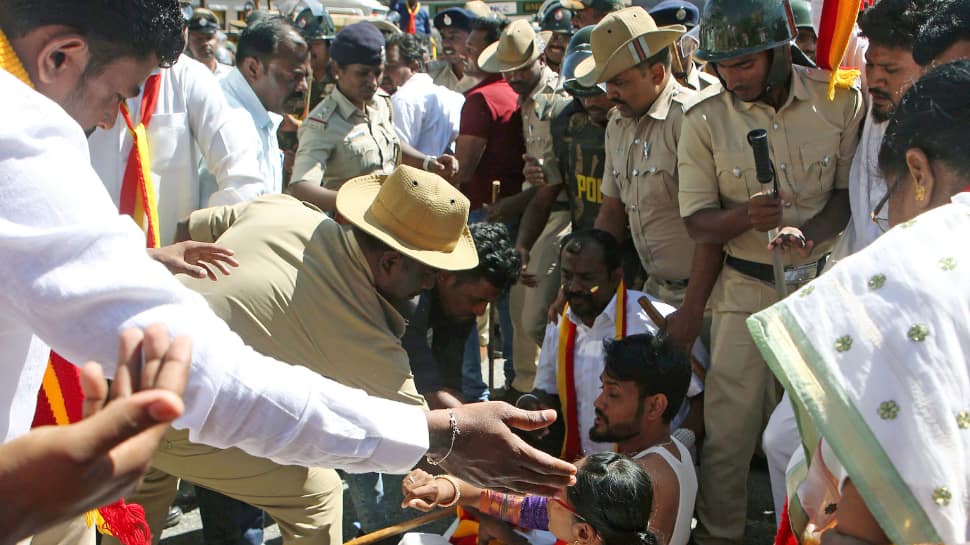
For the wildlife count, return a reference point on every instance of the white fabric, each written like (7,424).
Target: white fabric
(588,360)
(191,117)
(245,104)
(866,187)
(75,273)
(687,482)
(779,442)
(426,116)
(896,352)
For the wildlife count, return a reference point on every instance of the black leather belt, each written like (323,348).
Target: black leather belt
(794,274)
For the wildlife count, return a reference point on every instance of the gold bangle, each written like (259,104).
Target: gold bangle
(454,483)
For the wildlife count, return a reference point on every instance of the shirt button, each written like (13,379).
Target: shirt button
(826,160)
(636,140)
(784,166)
(787,204)
(653,170)
(737,172)
(615,173)
(636,172)
(775,126)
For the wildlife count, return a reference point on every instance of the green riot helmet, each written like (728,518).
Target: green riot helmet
(802,12)
(733,28)
(552,16)
(579,48)
(314,23)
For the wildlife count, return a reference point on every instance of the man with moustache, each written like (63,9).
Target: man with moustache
(812,140)
(454,24)
(644,383)
(558,21)
(599,306)
(318,30)
(891,26)
(203,40)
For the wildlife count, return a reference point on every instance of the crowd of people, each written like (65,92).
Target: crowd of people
(696,242)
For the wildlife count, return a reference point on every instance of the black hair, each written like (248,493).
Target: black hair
(614,495)
(949,25)
(896,23)
(113,28)
(934,116)
(493,27)
(655,363)
(498,262)
(577,240)
(261,40)
(410,48)
(370,243)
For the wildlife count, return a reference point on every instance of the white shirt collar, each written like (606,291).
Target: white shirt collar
(236,83)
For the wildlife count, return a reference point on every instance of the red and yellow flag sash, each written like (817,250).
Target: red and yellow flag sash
(138,197)
(572,447)
(413,21)
(834,32)
(60,398)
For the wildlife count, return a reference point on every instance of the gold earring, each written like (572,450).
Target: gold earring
(920,192)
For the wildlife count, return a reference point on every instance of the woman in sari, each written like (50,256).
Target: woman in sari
(875,352)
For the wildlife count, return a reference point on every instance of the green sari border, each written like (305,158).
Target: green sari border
(798,365)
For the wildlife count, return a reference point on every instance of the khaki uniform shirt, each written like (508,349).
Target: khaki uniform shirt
(811,139)
(538,110)
(305,295)
(339,142)
(641,171)
(442,74)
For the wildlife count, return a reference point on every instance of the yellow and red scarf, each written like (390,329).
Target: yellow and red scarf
(413,21)
(572,449)
(60,399)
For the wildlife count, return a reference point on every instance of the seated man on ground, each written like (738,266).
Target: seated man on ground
(572,352)
(644,384)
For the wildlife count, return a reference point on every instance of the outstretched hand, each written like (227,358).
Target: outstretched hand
(487,453)
(54,473)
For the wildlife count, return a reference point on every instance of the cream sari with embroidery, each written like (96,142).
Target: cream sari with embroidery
(874,355)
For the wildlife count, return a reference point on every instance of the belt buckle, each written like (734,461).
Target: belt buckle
(799,274)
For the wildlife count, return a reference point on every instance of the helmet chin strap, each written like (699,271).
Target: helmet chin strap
(779,69)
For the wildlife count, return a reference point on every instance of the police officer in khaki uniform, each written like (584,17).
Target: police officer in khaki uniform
(633,57)
(812,140)
(518,57)
(554,18)
(448,70)
(351,132)
(683,12)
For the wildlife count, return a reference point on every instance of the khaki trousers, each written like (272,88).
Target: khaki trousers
(740,391)
(528,306)
(71,532)
(306,503)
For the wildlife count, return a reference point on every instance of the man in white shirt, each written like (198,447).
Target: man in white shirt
(426,116)
(75,273)
(203,42)
(269,80)
(190,118)
(592,284)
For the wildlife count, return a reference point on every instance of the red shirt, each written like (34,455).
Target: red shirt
(491,111)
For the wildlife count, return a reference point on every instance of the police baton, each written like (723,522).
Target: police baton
(758,139)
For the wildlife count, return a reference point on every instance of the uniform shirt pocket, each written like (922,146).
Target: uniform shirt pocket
(656,179)
(362,148)
(818,164)
(736,177)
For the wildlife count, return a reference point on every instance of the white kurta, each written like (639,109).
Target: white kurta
(75,273)
(426,116)
(191,118)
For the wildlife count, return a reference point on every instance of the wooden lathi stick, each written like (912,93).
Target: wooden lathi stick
(397,529)
(496,188)
(660,321)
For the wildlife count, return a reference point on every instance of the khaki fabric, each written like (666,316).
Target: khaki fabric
(538,110)
(304,294)
(442,74)
(306,503)
(339,142)
(70,532)
(812,141)
(641,171)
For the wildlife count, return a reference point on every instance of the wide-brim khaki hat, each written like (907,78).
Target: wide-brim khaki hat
(622,40)
(414,212)
(517,47)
